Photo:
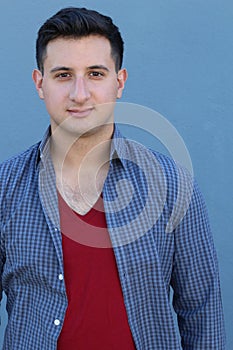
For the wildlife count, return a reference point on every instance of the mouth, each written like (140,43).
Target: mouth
(79,112)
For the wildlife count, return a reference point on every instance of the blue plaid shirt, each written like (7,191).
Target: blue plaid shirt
(159,229)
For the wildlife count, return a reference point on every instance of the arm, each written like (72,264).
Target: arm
(1,267)
(2,255)
(195,281)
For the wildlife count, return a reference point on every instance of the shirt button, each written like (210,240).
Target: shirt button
(60,277)
(57,322)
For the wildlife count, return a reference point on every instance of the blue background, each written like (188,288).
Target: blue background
(179,55)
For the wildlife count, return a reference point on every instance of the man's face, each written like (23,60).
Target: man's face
(80,84)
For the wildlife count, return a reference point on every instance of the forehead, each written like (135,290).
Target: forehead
(88,50)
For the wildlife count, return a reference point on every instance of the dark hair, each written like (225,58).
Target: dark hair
(73,22)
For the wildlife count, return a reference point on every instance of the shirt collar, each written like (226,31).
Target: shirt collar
(118,146)
(117,150)
(44,146)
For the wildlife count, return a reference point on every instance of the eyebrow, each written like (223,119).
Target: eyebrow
(59,68)
(99,67)
(63,68)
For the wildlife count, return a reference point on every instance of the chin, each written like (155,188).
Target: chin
(105,130)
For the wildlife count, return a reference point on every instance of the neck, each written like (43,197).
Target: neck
(81,166)
(69,151)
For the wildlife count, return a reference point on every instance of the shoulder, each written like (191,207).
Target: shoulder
(16,174)
(170,181)
(21,158)
(17,167)
(137,153)
(154,160)
(184,198)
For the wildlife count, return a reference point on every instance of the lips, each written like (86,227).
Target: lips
(79,112)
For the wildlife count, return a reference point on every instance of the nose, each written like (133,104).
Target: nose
(79,92)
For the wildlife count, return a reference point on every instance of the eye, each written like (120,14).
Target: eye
(96,74)
(63,75)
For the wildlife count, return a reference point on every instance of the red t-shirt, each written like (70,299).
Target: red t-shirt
(96,317)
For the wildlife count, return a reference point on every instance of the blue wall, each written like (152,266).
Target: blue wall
(179,55)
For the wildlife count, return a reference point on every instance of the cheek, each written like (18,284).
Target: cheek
(107,94)
(53,97)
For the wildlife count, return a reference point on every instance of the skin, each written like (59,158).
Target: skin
(79,87)
(80,84)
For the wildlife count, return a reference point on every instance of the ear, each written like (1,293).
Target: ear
(122,76)
(38,80)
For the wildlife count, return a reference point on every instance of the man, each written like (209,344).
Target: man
(94,227)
